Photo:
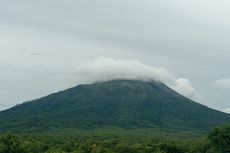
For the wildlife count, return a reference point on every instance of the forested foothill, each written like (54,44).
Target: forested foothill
(116,141)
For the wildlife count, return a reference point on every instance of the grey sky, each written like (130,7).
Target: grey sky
(43,42)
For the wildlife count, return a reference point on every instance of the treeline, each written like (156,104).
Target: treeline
(217,141)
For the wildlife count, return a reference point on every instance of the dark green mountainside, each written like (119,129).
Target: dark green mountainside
(118,103)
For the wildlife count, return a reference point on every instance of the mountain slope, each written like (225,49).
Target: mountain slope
(117,103)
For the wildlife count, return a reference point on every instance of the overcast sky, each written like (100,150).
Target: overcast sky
(44,44)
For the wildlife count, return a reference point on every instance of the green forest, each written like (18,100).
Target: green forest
(116,141)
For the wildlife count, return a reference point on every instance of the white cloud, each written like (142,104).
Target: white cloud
(104,69)
(226,110)
(223,83)
(3,107)
(184,87)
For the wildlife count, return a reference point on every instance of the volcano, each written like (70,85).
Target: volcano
(115,103)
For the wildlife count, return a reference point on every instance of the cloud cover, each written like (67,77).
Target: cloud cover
(223,83)
(46,38)
(226,110)
(105,68)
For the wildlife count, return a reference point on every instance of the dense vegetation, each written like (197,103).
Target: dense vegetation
(217,141)
(120,103)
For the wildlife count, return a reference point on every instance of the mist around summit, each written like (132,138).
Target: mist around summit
(107,68)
